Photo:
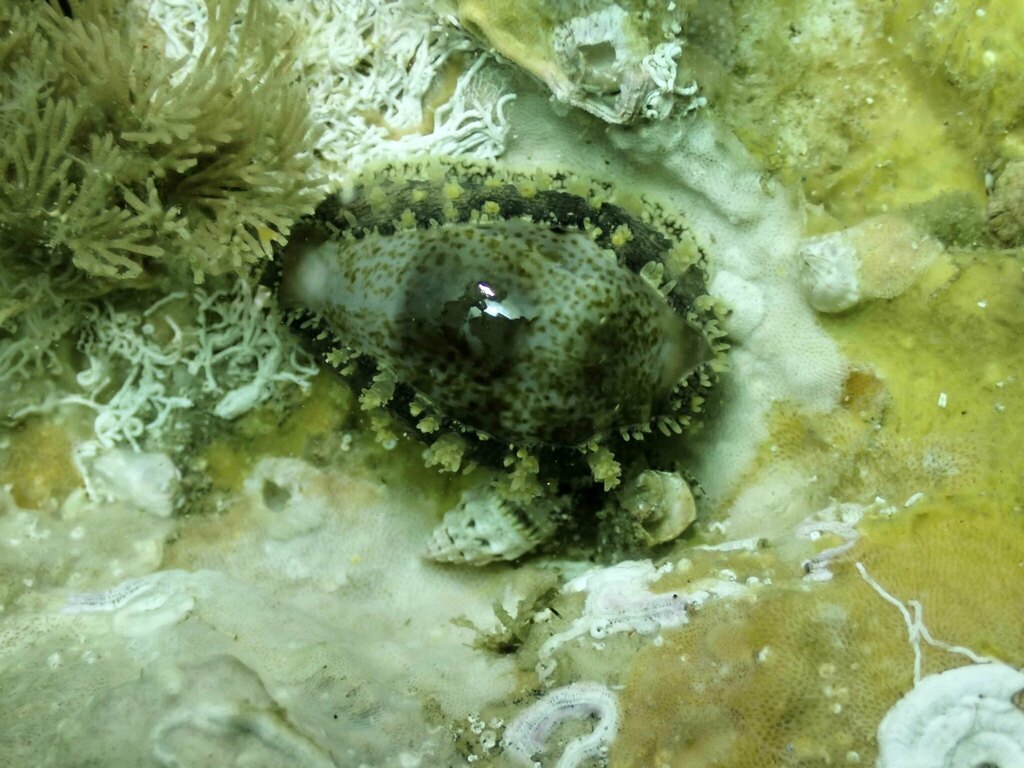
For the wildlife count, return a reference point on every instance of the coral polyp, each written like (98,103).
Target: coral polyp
(528,322)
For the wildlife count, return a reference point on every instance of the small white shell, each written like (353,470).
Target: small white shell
(962,718)
(148,481)
(485,527)
(879,258)
(662,503)
(830,272)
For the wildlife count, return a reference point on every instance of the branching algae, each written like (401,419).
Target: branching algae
(124,162)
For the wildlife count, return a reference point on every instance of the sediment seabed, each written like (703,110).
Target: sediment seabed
(209,555)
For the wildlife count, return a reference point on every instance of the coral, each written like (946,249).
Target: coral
(146,368)
(337,554)
(829,96)
(795,671)
(775,682)
(616,60)
(79,542)
(214,710)
(803,464)
(917,631)
(804,673)
(36,463)
(938,434)
(389,78)
(807,673)
(320,428)
(961,718)
(971,49)
(383,79)
(928,554)
(37,320)
(528,735)
(121,168)
(504,360)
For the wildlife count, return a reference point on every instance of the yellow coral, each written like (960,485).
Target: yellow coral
(975,48)
(825,94)
(37,464)
(948,352)
(802,674)
(319,419)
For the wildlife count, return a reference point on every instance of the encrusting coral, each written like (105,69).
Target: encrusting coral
(118,158)
(853,104)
